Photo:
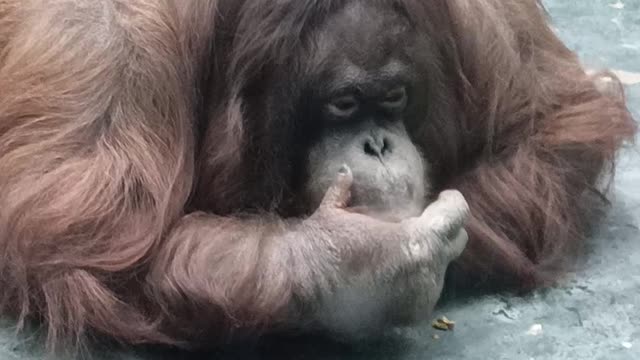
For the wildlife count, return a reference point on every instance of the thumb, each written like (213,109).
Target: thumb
(447,215)
(339,192)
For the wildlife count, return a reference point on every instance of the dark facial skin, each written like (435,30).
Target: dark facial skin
(359,115)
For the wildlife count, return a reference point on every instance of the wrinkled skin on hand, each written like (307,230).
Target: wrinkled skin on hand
(373,274)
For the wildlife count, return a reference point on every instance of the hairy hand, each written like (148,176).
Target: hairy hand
(361,274)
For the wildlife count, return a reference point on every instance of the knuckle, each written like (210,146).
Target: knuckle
(451,194)
(454,197)
(443,225)
(422,228)
(462,239)
(459,244)
(464,211)
(438,223)
(457,202)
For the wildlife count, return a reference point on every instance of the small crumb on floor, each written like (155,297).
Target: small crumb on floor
(443,324)
(627,345)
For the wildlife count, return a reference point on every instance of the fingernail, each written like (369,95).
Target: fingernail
(344,170)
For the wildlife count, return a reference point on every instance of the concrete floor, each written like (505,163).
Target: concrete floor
(596,315)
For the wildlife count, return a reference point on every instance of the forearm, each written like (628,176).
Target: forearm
(335,271)
(224,273)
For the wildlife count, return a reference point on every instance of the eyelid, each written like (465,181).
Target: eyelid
(343,106)
(395,98)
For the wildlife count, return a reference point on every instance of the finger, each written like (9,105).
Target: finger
(447,215)
(340,191)
(458,244)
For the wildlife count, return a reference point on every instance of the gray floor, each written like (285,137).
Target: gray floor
(596,315)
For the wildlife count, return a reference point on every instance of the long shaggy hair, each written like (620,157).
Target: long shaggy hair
(118,117)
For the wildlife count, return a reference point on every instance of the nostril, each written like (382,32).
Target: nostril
(370,148)
(377,146)
(385,146)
